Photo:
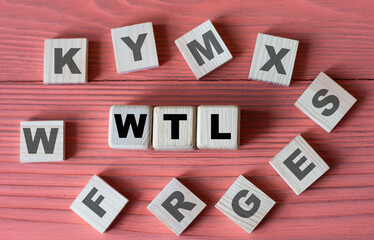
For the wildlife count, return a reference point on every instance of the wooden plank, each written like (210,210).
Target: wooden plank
(325,102)
(269,121)
(334,36)
(335,41)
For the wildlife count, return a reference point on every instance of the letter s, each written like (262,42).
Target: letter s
(325,101)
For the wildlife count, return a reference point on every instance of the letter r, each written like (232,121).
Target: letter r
(174,209)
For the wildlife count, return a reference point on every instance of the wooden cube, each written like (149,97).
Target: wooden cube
(273,59)
(218,127)
(134,48)
(130,127)
(245,204)
(98,204)
(176,206)
(65,61)
(174,127)
(325,102)
(203,49)
(299,165)
(42,141)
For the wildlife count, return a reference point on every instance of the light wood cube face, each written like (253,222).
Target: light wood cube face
(174,127)
(176,206)
(98,204)
(273,59)
(130,127)
(325,102)
(218,127)
(203,49)
(245,204)
(299,165)
(134,47)
(65,61)
(42,141)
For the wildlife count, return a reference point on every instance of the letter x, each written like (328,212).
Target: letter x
(275,59)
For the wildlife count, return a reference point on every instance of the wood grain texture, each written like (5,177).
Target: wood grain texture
(278,67)
(209,49)
(306,165)
(126,59)
(98,204)
(42,141)
(226,126)
(74,69)
(130,139)
(182,215)
(165,136)
(335,37)
(254,212)
(327,113)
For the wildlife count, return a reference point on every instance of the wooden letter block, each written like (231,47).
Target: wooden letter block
(174,128)
(130,127)
(245,204)
(134,48)
(273,59)
(203,49)
(218,127)
(65,61)
(98,204)
(42,141)
(325,102)
(176,206)
(299,165)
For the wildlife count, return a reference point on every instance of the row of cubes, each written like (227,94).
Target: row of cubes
(174,127)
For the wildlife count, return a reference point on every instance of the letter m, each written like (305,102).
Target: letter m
(40,135)
(209,40)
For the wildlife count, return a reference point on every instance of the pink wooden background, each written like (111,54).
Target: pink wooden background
(335,36)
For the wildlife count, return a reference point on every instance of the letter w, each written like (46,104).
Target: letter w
(40,134)
(137,128)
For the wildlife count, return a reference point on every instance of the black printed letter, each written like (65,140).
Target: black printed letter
(40,134)
(94,206)
(175,118)
(275,59)
(334,100)
(137,129)
(135,47)
(209,39)
(295,167)
(215,134)
(251,199)
(67,59)
(173,209)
